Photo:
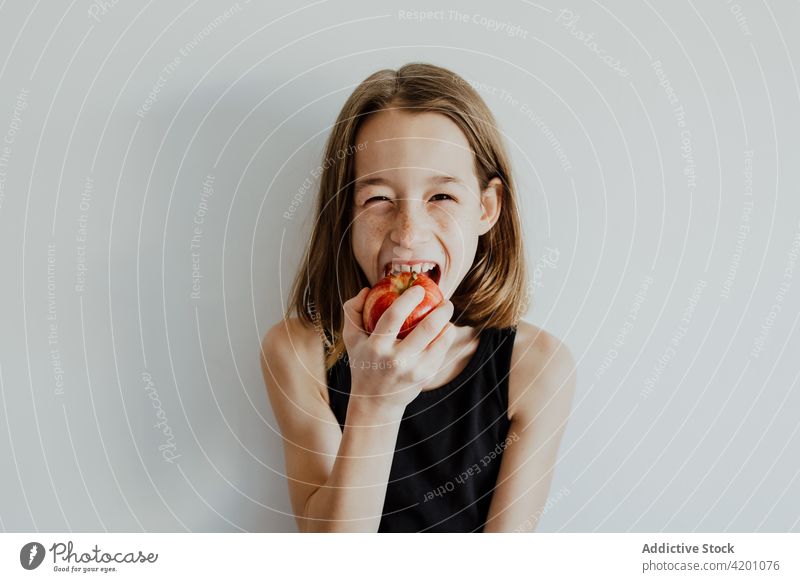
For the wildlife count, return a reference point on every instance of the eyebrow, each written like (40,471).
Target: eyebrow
(434,181)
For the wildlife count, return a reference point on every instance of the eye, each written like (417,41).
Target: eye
(447,196)
(375,199)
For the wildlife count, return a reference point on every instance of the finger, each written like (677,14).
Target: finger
(391,321)
(353,309)
(433,326)
(447,329)
(445,338)
(356,304)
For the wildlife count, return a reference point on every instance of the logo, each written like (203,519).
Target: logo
(31,555)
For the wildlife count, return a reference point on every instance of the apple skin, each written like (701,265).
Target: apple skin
(388,289)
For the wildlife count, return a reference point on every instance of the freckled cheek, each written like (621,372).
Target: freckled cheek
(446,223)
(449,225)
(456,232)
(468,223)
(370,230)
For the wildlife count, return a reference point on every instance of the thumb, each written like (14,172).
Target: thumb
(353,314)
(356,304)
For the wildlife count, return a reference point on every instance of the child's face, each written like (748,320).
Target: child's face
(404,210)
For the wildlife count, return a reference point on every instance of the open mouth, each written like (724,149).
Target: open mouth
(431,269)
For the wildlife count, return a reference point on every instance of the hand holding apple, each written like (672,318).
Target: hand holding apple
(388,289)
(379,386)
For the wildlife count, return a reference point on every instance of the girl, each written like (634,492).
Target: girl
(457,426)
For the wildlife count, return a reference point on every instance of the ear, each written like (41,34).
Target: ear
(491,203)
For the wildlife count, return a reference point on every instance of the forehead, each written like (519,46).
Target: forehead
(427,142)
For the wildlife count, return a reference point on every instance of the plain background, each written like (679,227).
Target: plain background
(691,424)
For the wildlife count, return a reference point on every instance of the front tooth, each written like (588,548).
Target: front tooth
(405,268)
(417,268)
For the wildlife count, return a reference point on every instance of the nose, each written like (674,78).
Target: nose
(410,224)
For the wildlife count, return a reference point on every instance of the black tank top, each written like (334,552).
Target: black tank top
(449,445)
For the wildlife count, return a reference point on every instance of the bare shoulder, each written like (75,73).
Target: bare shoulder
(292,359)
(542,367)
(292,344)
(289,329)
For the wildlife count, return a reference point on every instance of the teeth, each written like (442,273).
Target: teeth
(417,268)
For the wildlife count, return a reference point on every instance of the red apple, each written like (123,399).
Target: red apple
(385,291)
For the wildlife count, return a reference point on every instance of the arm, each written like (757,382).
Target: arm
(541,388)
(337,479)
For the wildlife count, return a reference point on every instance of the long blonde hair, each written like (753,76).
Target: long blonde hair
(492,293)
